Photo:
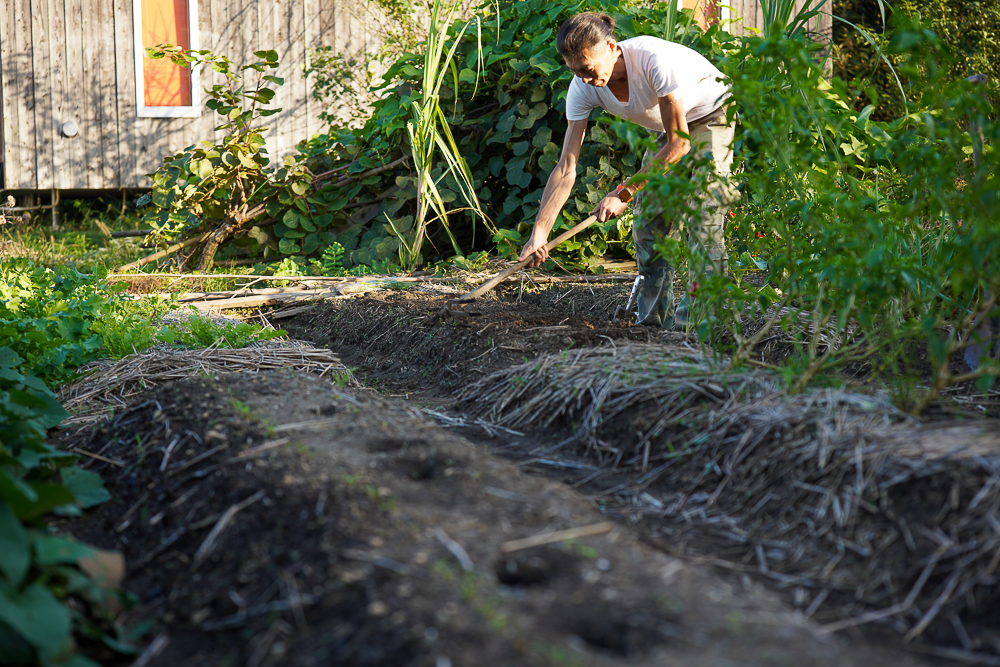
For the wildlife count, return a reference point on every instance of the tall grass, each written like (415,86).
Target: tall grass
(782,16)
(430,133)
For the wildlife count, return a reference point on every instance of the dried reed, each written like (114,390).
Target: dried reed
(815,491)
(109,384)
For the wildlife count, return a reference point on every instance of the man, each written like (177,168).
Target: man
(669,89)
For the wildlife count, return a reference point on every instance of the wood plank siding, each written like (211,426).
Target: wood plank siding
(74,60)
(749,19)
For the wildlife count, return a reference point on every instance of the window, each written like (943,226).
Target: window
(163,89)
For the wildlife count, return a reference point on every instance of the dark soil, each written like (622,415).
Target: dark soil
(406,342)
(222,608)
(348,555)
(341,522)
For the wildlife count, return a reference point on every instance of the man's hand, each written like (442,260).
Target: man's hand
(535,248)
(610,207)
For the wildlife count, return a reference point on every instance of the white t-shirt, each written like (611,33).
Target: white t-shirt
(655,69)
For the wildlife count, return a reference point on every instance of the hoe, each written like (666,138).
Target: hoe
(495,280)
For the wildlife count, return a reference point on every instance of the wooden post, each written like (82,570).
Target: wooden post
(55,209)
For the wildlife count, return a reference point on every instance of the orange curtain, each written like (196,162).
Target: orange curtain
(164,83)
(704,11)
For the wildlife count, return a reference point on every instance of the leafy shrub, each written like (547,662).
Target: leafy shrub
(213,188)
(969,27)
(506,113)
(880,237)
(41,584)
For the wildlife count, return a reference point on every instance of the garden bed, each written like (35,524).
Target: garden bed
(296,521)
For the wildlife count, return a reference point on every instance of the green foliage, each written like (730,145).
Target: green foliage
(52,322)
(114,212)
(331,264)
(213,188)
(41,586)
(331,261)
(345,81)
(971,29)
(502,102)
(46,316)
(199,332)
(507,123)
(83,251)
(59,320)
(27,405)
(82,240)
(430,136)
(788,17)
(125,325)
(880,237)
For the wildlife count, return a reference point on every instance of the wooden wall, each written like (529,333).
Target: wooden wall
(751,18)
(66,60)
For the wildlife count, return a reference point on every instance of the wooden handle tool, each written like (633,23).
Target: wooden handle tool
(514,268)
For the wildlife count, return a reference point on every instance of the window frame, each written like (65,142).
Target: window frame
(725,14)
(142,111)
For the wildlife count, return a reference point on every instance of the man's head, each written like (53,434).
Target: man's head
(587,44)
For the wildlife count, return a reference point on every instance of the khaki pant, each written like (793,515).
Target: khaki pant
(705,237)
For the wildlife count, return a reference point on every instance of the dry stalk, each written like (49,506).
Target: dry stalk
(208,545)
(109,384)
(816,490)
(958,340)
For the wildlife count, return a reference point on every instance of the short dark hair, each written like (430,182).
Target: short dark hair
(582,32)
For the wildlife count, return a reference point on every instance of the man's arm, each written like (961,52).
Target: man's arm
(557,191)
(673,114)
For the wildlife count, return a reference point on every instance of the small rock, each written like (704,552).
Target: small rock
(200,615)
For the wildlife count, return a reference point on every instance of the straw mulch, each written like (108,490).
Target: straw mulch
(792,327)
(812,491)
(109,384)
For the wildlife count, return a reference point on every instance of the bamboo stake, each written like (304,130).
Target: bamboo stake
(597,277)
(212,275)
